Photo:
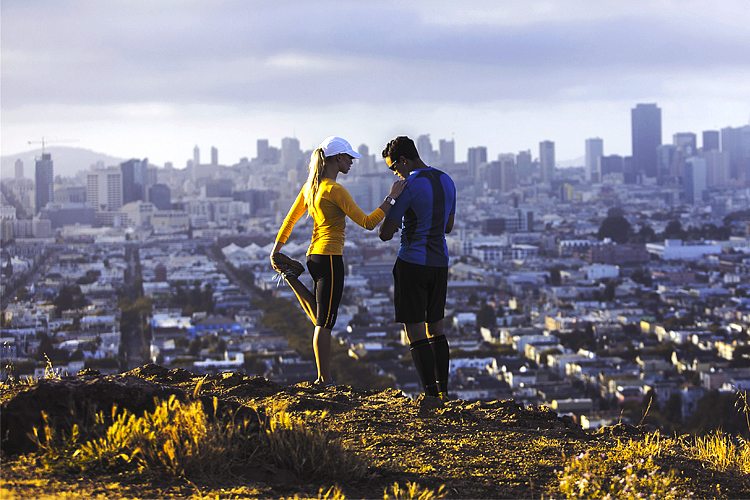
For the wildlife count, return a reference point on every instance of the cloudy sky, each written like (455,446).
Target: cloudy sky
(153,78)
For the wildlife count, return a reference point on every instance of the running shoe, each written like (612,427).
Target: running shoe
(286,266)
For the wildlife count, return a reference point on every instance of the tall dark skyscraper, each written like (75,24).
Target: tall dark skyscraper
(44,181)
(134,177)
(646,137)
(710,140)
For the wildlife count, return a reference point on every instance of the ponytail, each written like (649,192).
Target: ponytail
(315,174)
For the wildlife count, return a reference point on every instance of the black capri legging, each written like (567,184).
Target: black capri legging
(328,273)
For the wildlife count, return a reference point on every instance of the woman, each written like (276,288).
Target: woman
(328,203)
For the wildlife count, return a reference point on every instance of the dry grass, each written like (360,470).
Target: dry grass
(627,470)
(298,445)
(176,437)
(412,491)
(182,440)
(720,451)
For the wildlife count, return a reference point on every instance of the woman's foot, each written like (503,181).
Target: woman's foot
(287,266)
(319,382)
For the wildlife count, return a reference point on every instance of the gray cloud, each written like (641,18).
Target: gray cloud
(304,53)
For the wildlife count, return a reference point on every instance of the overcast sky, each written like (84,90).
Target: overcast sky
(153,78)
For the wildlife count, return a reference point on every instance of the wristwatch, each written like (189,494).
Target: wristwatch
(391,201)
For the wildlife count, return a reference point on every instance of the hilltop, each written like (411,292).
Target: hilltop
(365,440)
(68,161)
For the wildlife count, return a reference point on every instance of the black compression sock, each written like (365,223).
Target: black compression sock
(424,361)
(442,355)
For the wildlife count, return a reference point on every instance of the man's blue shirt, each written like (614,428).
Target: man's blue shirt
(425,206)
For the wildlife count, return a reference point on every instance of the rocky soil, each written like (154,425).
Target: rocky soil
(494,449)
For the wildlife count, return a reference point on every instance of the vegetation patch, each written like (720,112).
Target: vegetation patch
(628,470)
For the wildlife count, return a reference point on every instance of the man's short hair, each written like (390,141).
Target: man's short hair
(401,146)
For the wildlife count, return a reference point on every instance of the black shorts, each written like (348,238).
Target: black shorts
(327,272)
(419,292)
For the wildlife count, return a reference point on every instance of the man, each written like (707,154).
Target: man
(427,208)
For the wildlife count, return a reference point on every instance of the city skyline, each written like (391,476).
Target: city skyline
(125,78)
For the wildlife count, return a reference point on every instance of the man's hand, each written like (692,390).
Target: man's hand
(387,229)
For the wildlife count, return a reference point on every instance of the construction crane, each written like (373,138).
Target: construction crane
(44,142)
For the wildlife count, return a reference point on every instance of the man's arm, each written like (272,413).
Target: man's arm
(387,229)
(449,225)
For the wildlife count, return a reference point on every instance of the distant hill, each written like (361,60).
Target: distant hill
(575,162)
(68,161)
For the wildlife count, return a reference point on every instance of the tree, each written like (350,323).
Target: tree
(646,234)
(69,297)
(615,227)
(195,347)
(555,276)
(609,291)
(486,317)
(674,230)
(642,276)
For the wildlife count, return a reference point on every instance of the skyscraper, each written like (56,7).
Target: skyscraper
(547,160)
(447,151)
(686,141)
(290,152)
(666,157)
(424,147)
(196,156)
(134,180)
(44,180)
(475,157)
(366,164)
(646,136)
(736,143)
(214,156)
(695,180)
(104,189)
(594,152)
(262,147)
(710,140)
(507,171)
(161,196)
(19,168)
(717,167)
(524,164)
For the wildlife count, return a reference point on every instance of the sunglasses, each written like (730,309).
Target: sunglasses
(391,164)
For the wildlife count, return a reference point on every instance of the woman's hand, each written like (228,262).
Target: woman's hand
(397,188)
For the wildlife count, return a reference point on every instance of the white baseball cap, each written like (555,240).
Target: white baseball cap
(333,145)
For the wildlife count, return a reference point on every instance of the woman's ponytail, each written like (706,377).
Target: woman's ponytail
(315,174)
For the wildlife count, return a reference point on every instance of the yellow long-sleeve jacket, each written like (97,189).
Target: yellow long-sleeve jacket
(332,205)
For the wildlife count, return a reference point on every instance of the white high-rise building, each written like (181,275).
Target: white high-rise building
(695,180)
(214,156)
(19,168)
(104,189)
(594,153)
(447,151)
